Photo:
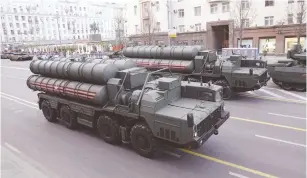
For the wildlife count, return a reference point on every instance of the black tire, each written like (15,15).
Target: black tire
(227,91)
(286,86)
(108,129)
(276,82)
(68,118)
(143,140)
(300,88)
(49,113)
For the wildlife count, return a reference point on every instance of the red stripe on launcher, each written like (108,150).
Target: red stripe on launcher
(146,64)
(66,88)
(72,92)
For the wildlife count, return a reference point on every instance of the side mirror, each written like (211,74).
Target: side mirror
(190,120)
(251,71)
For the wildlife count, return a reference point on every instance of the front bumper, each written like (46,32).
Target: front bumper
(261,84)
(199,141)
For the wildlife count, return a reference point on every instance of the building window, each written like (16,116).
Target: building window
(17,25)
(11,25)
(290,1)
(24,25)
(16,17)
(290,18)
(299,18)
(226,7)
(15,10)
(197,11)
(23,18)
(245,23)
(245,4)
(269,3)
(12,32)
(267,44)
(198,27)
(268,20)
(136,29)
(158,26)
(213,8)
(181,28)
(157,6)
(135,10)
(181,13)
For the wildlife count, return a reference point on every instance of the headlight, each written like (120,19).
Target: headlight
(195,134)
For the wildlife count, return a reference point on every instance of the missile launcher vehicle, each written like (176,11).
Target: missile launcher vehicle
(290,74)
(128,106)
(193,63)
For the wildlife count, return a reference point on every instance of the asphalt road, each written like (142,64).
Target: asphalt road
(266,137)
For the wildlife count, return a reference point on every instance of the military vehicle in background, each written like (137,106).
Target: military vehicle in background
(6,55)
(290,74)
(128,106)
(195,64)
(20,57)
(250,56)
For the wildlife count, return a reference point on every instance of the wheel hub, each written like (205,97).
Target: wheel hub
(142,143)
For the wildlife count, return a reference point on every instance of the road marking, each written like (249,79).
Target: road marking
(292,94)
(270,124)
(35,104)
(18,68)
(282,141)
(275,114)
(275,99)
(259,173)
(12,148)
(19,102)
(271,93)
(237,175)
(13,77)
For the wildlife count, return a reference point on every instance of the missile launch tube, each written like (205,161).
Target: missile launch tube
(181,66)
(78,71)
(119,63)
(169,52)
(95,94)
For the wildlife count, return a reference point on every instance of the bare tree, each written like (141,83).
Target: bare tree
(243,15)
(300,18)
(149,25)
(119,23)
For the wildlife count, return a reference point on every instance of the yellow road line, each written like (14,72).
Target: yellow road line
(274,99)
(259,173)
(268,123)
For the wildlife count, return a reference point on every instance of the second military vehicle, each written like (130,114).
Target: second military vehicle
(127,106)
(290,74)
(196,65)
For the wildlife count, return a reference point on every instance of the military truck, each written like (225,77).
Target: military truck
(20,57)
(195,64)
(290,74)
(250,57)
(128,106)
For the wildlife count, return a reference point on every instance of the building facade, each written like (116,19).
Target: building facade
(266,24)
(58,21)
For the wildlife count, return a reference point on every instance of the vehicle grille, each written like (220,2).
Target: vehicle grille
(206,125)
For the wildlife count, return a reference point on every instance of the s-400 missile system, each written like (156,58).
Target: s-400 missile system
(290,74)
(195,64)
(128,106)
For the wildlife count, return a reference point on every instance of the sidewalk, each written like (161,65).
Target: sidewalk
(14,166)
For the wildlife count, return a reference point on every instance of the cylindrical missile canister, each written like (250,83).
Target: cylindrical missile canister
(180,66)
(95,94)
(119,63)
(78,71)
(169,52)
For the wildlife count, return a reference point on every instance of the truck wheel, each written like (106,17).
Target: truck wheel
(276,82)
(143,140)
(49,113)
(109,130)
(286,86)
(68,118)
(227,91)
(300,88)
